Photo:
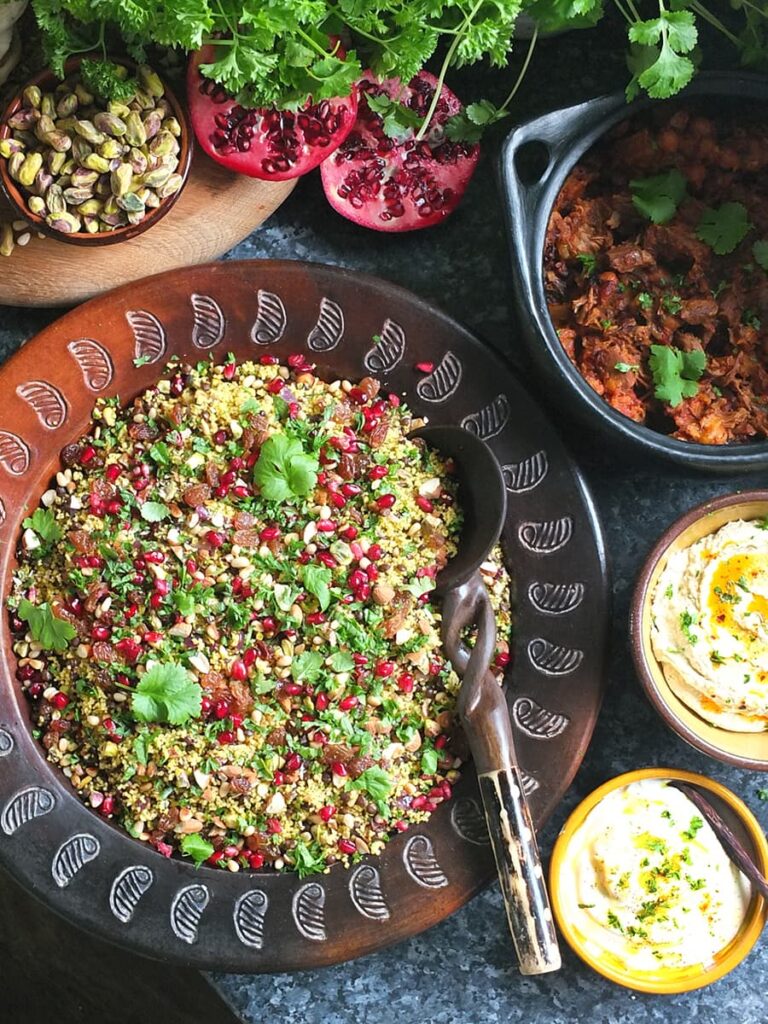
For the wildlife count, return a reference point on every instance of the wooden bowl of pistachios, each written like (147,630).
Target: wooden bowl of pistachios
(98,156)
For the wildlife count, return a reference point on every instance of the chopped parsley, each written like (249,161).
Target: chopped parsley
(696,824)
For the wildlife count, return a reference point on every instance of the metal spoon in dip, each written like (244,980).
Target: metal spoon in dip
(482,707)
(730,843)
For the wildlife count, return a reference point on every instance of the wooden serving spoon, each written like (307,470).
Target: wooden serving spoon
(482,707)
(731,844)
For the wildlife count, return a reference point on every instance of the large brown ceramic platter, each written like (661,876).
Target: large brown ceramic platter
(95,874)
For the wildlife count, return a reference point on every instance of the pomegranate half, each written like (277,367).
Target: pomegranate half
(399,186)
(264,143)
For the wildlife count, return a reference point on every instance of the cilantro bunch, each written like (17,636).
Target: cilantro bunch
(285,51)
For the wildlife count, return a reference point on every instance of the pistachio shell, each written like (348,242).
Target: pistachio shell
(67,223)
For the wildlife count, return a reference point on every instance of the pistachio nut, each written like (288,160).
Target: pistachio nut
(91,224)
(32,96)
(136,216)
(10,146)
(26,117)
(15,163)
(110,206)
(171,187)
(110,124)
(83,178)
(80,148)
(164,144)
(68,167)
(121,179)
(103,186)
(157,177)
(88,131)
(171,124)
(6,239)
(138,160)
(59,141)
(144,100)
(152,123)
(114,220)
(44,125)
(67,223)
(32,164)
(43,181)
(96,163)
(118,110)
(48,105)
(54,199)
(55,161)
(84,97)
(150,81)
(66,124)
(75,196)
(67,105)
(152,200)
(135,133)
(131,203)
(36,204)
(111,149)
(90,208)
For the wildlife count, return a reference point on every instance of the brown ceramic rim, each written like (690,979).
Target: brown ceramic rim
(46,80)
(124,891)
(642,594)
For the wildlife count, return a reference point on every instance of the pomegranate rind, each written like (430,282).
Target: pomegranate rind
(388,186)
(260,159)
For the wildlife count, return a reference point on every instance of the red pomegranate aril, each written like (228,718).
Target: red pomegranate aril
(59,700)
(249,657)
(237,721)
(347,846)
(100,632)
(372,572)
(221,709)
(240,491)
(276,386)
(225,738)
(220,437)
(87,455)
(152,637)
(292,689)
(384,669)
(221,491)
(357,578)
(356,550)
(229,371)
(349,532)
(351,490)
(502,659)
(273,826)
(268,624)
(129,649)
(156,600)
(418,803)
(322,701)
(107,806)
(327,559)
(153,557)
(339,769)
(405,682)
(293,762)
(214,538)
(315,618)
(424,504)
(327,812)
(296,360)
(256,860)
(268,360)
(163,587)
(424,367)
(374,552)
(385,502)
(337,500)
(359,659)
(269,533)
(440,742)
(347,703)
(238,670)
(278,778)
(206,705)
(216,857)
(191,566)
(112,472)
(363,593)
(377,472)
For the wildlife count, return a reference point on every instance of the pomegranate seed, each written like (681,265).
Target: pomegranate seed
(231,852)
(440,742)
(221,491)
(100,632)
(296,360)
(374,552)
(278,778)
(114,507)
(346,846)
(155,600)
(60,700)
(351,490)
(87,455)
(229,371)
(249,657)
(269,533)
(215,857)
(349,702)
(220,437)
(293,763)
(191,565)
(276,386)
(401,826)
(153,557)
(339,769)
(152,637)
(226,737)
(112,472)
(377,472)
(356,578)
(314,618)
(107,806)
(326,526)
(384,669)
(274,826)
(293,689)
(129,649)
(240,491)
(424,504)
(363,593)
(214,538)
(372,572)
(356,550)
(237,721)
(327,812)
(405,682)
(394,400)
(418,802)
(424,367)
(268,624)
(348,533)
(502,659)
(221,709)
(386,501)
(238,670)
(326,559)
(321,701)
(256,860)
(206,704)
(163,587)
(267,360)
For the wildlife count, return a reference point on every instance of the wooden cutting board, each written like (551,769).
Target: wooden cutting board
(216,210)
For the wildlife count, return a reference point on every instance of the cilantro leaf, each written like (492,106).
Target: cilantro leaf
(308,859)
(154,511)
(626,367)
(166,693)
(197,848)
(160,453)
(658,197)
(341,661)
(675,373)
(317,580)
(375,782)
(43,523)
(662,70)
(760,253)
(141,361)
(306,667)
(52,633)
(724,228)
(284,470)
(429,761)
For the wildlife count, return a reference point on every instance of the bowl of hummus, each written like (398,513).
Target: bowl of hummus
(699,628)
(643,890)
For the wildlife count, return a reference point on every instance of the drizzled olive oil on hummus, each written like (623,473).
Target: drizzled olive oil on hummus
(710,626)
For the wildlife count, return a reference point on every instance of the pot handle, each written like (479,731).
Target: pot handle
(560,137)
(485,716)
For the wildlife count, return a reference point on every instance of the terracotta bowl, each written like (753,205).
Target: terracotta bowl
(744,749)
(17,196)
(666,981)
(94,873)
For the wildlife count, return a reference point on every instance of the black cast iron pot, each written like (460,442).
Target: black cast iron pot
(536,159)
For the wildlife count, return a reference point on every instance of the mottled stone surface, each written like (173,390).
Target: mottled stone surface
(463,971)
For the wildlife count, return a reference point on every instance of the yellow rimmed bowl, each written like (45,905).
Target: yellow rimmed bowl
(743,749)
(665,980)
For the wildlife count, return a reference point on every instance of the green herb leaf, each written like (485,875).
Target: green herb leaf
(626,367)
(316,581)
(308,859)
(375,782)
(399,121)
(658,198)
(676,373)
(140,747)
(142,360)
(153,511)
(342,662)
(52,633)
(108,81)
(284,470)
(197,848)
(588,261)
(306,667)
(725,228)
(166,693)
(696,824)
(249,405)
(660,67)
(160,453)
(760,253)
(429,761)
(44,524)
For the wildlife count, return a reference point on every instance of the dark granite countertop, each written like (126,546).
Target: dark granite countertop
(464,970)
